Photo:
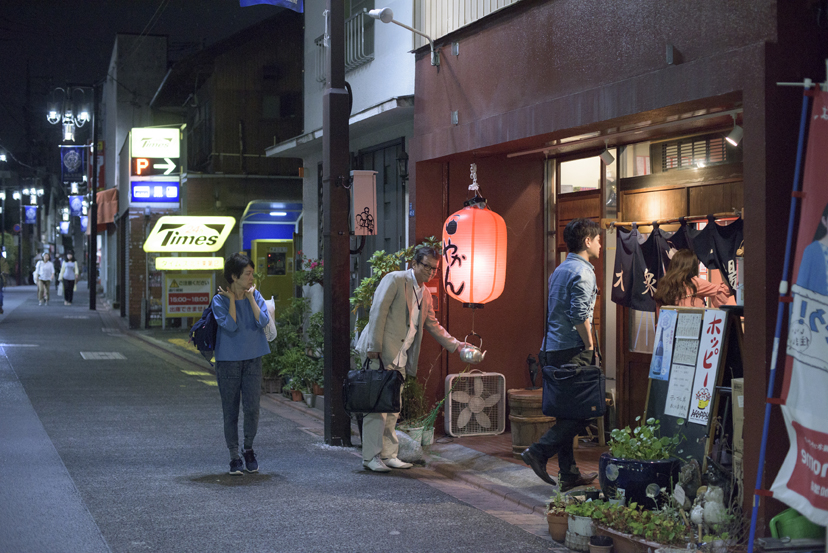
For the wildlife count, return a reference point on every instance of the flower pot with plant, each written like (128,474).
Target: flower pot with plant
(556,516)
(640,459)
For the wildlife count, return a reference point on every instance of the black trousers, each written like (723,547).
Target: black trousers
(558,439)
(68,290)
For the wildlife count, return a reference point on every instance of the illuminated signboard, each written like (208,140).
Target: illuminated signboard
(189,234)
(150,166)
(186,295)
(154,192)
(189,264)
(155,143)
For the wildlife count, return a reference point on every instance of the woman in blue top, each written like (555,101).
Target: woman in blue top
(241,315)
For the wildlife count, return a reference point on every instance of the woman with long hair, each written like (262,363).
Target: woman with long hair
(682,286)
(68,273)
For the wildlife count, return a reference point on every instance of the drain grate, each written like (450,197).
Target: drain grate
(101,355)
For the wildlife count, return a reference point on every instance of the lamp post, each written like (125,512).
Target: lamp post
(63,109)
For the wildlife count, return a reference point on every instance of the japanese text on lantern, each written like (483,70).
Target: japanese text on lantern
(452,257)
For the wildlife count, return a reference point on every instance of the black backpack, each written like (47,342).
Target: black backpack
(203,334)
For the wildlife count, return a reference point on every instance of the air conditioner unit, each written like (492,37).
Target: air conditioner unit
(476,404)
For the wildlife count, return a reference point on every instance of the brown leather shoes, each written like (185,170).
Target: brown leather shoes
(581,480)
(537,466)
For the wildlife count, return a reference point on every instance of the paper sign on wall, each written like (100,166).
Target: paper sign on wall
(663,351)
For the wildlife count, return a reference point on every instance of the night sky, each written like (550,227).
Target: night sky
(70,41)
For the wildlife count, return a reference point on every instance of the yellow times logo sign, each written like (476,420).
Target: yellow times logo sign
(189,234)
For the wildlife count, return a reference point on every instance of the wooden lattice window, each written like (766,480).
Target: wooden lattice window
(693,152)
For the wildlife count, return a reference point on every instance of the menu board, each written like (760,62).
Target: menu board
(679,391)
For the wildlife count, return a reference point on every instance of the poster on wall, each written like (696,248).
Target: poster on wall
(663,351)
(187,295)
(802,481)
(707,365)
(688,325)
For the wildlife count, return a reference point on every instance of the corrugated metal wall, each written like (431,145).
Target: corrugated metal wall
(440,17)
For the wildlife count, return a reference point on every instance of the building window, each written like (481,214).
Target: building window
(693,152)
(580,174)
(359,38)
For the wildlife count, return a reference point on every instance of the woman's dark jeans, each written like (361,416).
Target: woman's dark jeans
(240,381)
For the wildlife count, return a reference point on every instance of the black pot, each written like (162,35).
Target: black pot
(633,476)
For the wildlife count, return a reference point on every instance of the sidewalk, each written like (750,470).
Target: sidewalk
(510,480)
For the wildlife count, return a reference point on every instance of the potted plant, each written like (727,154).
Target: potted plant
(579,525)
(637,459)
(556,516)
(636,530)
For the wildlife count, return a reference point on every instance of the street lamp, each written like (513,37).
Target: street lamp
(70,108)
(386,15)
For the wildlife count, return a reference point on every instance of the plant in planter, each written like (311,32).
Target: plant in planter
(640,458)
(309,271)
(634,529)
(556,516)
(295,354)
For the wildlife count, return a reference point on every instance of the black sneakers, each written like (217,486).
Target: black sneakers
(236,466)
(250,461)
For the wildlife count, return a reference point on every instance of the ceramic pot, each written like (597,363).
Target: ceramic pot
(633,476)
(581,526)
(600,544)
(557,526)
(428,436)
(296,395)
(416,434)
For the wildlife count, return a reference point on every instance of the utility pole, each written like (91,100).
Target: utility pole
(336,239)
(92,221)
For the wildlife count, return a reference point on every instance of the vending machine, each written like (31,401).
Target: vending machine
(274,260)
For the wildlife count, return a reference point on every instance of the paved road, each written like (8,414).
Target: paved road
(127,455)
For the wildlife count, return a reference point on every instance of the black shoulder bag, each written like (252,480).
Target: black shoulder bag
(574,392)
(373,391)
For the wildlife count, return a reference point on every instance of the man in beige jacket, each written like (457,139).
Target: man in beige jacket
(401,309)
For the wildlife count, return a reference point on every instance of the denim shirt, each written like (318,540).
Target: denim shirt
(572,293)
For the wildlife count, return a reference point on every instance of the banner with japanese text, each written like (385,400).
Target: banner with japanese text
(802,481)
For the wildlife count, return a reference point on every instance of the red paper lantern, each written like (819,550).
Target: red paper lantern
(474,254)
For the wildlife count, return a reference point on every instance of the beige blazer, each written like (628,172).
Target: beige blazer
(389,322)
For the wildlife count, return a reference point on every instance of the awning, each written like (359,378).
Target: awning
(107,205)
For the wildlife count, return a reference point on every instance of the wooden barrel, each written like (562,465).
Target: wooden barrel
(527,420)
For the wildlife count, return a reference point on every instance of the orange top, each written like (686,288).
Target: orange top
(718,294)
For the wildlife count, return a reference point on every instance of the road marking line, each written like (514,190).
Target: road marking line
(101,355)
(197,373)
(209,382)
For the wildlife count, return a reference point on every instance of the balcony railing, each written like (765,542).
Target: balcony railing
(359,45)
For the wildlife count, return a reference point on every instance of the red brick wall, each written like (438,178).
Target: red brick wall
(138,227)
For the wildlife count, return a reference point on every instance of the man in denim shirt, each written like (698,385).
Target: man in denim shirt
(568,340)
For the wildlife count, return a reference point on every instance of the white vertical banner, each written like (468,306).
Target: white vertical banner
(707,365)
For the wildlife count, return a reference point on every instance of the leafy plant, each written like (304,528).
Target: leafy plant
(664,526)
(414,405)
(296,353)
(583,509)
(381,264)
(645,442)
(557,504)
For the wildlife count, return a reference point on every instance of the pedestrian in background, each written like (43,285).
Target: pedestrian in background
(241,315)
(4,275)
(68,274)
(568,339)
(44,273)
(57,263)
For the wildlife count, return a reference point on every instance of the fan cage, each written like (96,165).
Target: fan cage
(493,385)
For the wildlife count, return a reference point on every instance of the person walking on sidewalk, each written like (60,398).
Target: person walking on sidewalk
(43,274)
(241,315)
(401,309)
(58,265)
(68,273)
(568,340)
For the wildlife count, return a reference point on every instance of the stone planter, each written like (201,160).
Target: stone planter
(558,525)
(634,476)
(626,543)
